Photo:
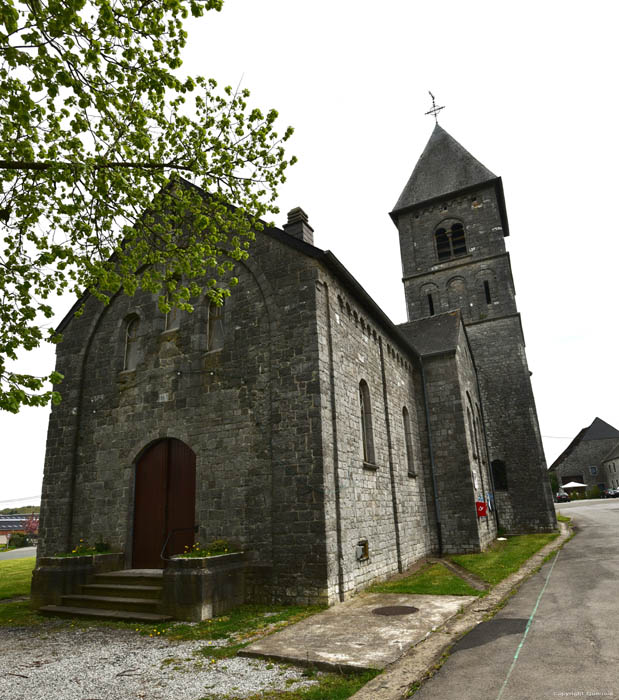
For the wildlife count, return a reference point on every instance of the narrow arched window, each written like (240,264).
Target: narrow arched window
(215,327)
(131,345)
(172,319)
(408,440)
(367,434)
(472,433)
(499,474)
(450,241)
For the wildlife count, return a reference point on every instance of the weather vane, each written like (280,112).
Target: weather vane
(435,110)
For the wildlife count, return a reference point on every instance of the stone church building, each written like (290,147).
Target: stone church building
(336,447)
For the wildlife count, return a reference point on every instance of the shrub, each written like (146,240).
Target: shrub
(18,539)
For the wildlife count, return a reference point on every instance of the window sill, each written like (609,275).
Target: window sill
(371,467)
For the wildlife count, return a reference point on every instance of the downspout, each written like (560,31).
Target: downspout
(437,505)
(336,470)
(394,500)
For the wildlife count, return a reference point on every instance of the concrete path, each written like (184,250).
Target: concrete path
(21,553)
(370,631)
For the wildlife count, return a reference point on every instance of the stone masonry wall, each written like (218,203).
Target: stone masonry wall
(475,440)
(511,423)
(250,412)
(382,503)
(456,283)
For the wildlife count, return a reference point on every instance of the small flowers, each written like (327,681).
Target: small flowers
(213,549)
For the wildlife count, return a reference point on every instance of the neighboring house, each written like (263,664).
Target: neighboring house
(336,447)
(610,466)
(591,458)
(17,522)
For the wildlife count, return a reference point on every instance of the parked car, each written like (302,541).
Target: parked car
(561,497)
(610,493)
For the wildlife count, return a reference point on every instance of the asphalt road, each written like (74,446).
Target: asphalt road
(557,636)
(20,553)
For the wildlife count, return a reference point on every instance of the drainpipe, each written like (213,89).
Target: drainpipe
(437,505)
(394,497)
(336,463)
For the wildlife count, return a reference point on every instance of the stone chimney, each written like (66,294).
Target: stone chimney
(298,227)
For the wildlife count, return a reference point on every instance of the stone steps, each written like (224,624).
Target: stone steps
(132,594)
(102,614)
(122,591)
(111,603)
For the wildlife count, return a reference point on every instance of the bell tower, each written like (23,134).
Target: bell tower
(452,223)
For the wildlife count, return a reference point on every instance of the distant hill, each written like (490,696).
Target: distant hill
(21,509)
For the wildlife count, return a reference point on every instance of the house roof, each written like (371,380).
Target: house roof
(435,334)
(445,167)
(15,521)
(598,430)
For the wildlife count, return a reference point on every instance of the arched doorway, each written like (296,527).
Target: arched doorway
(165,496)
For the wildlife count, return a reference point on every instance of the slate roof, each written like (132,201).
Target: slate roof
(600,430)
(444,167)
(15,521)
(434,334)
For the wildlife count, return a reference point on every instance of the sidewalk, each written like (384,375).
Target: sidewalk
(404,634)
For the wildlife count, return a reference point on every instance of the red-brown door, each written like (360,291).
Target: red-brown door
(165,494)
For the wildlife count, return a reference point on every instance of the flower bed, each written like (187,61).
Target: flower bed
(60,575)
(197,588)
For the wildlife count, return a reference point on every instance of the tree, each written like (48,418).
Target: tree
(31,526)
(116,172)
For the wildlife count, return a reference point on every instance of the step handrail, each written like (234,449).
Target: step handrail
(194,528)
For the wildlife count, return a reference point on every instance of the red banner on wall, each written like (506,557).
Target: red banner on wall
(482,509)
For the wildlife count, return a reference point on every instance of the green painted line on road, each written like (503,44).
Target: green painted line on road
(526,630)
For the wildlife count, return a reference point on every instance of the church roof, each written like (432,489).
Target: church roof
(434,334)
(444,167)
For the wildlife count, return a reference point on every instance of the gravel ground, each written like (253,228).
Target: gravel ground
(43,663)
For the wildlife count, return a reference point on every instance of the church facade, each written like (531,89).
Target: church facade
(335,447)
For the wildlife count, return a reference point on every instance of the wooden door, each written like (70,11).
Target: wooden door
(165,488)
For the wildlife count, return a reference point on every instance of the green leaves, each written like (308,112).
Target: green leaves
(116,174)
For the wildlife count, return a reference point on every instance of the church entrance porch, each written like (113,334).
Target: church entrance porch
(165,494)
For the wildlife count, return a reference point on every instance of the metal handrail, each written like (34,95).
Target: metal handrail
(194,528)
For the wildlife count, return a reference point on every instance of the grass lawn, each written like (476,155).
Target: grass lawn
(331,686)
(504,558)
(15,576)
(433,579)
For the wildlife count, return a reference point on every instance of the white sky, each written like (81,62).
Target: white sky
(530,90)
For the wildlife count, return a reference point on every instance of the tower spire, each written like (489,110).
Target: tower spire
(435,110)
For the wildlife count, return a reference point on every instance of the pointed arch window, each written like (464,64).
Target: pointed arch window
(131,344)
(450,241)
(367,433)
(215,327)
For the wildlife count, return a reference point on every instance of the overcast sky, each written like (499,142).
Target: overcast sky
(530,89)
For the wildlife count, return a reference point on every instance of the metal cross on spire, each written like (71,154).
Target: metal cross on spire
(435,110)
